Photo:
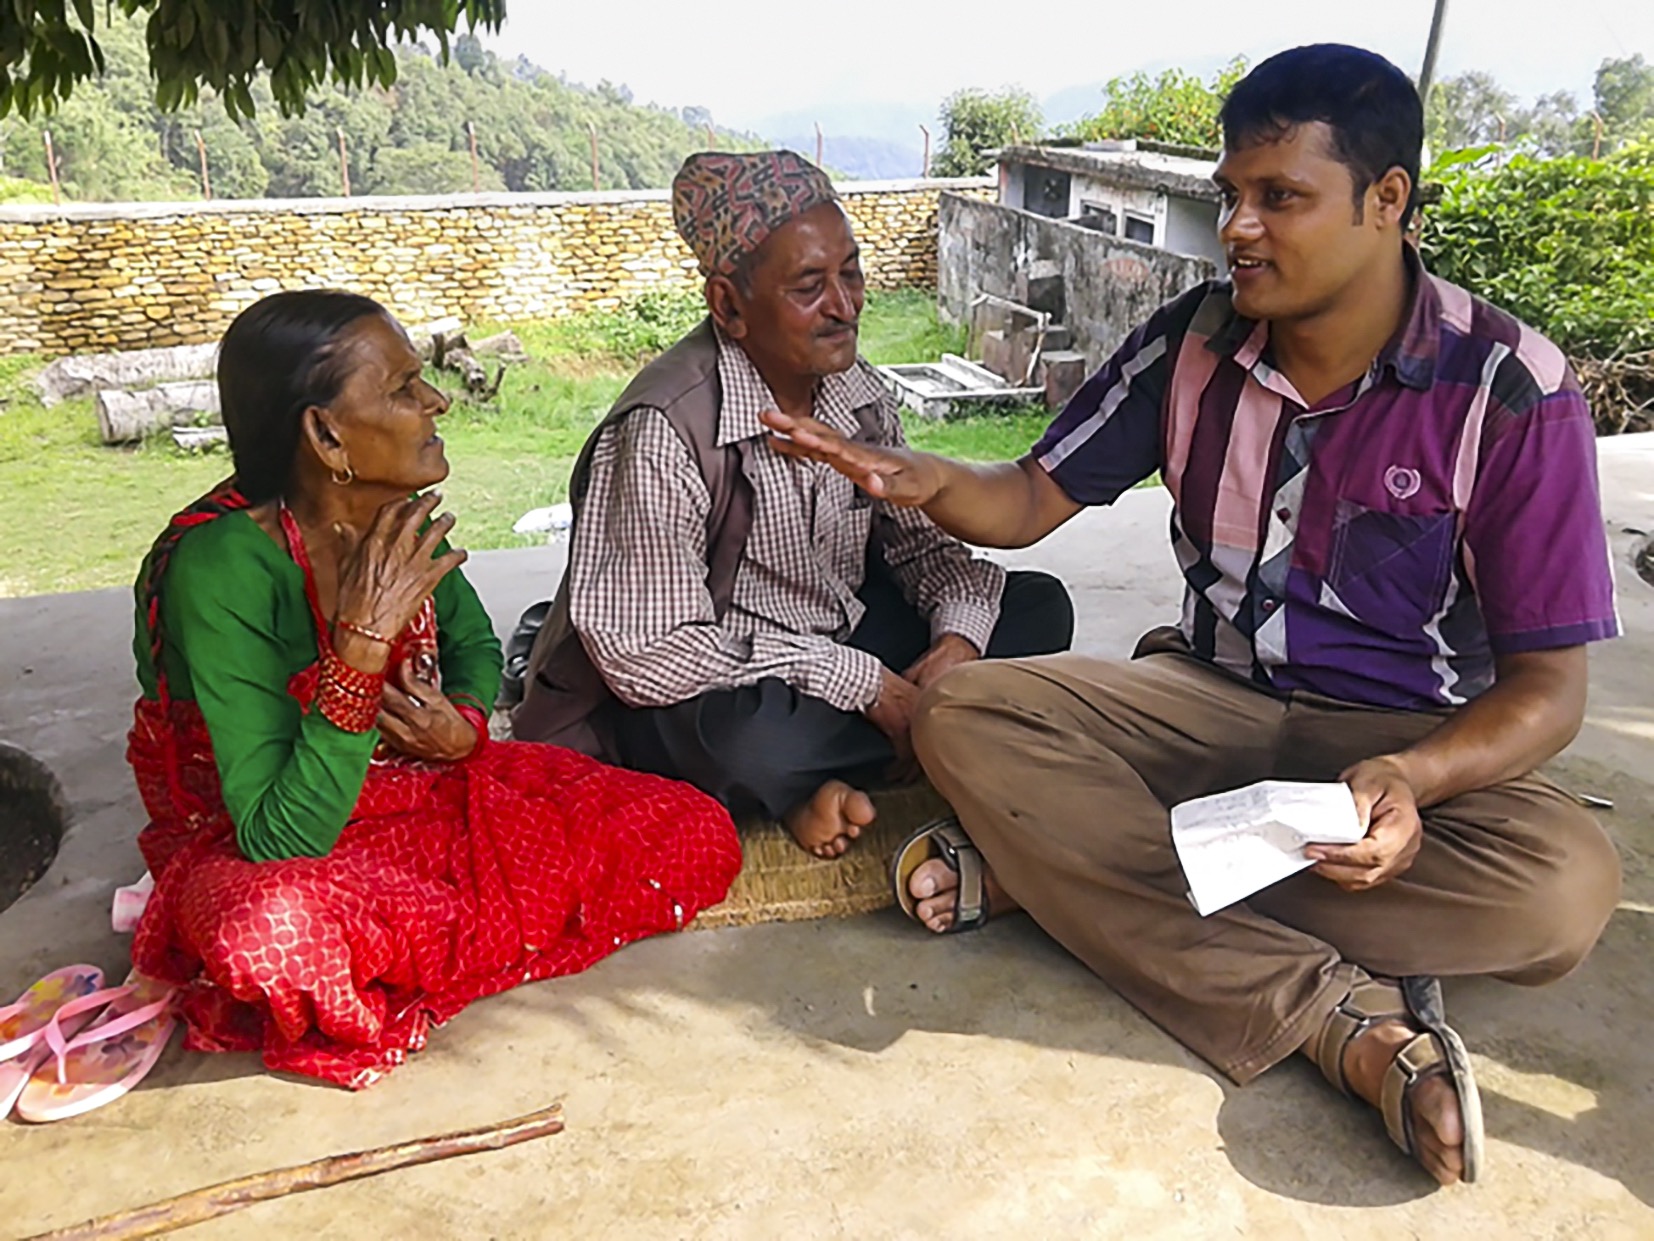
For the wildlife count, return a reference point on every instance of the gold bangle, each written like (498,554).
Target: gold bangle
(363,630)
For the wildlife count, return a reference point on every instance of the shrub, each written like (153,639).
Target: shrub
(1566,244)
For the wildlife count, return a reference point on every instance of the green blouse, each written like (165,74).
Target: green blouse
(237,628)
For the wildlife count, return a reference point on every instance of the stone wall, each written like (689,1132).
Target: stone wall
(1104,286)
(131,276)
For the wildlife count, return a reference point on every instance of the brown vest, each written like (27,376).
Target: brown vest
(562,690)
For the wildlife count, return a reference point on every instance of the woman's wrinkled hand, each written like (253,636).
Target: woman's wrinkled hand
(387,572)
(416,718)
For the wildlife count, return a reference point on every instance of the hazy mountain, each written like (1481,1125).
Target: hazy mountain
(858,158)
(871,141)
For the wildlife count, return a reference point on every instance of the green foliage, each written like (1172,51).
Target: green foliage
(976,121)
(638,330)
(426,168)
(1176,107)
(114,144)
(897,326)
(1472,109)
(227,45)
(105,145)
(1566,244)
(18,190)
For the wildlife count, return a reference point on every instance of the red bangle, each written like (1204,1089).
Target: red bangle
(347,697)
(478,721)
(351,680)
(346,711)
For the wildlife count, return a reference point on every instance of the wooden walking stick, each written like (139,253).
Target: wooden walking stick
(228,1196)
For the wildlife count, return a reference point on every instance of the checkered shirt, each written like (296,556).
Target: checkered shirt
(638,563)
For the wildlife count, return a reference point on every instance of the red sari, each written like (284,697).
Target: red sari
(451,881)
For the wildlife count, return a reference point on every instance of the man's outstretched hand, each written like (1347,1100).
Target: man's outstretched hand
(898,475)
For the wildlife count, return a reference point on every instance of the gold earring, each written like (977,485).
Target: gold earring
(349,476)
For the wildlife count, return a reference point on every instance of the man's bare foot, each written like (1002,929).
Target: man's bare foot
(1438,1128)
(828,823)
(933,886)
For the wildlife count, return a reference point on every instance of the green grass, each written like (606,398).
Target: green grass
(81,515)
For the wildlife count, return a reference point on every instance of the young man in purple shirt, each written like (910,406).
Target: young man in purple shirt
(1386,514)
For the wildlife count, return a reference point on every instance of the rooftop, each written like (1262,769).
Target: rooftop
(1127,162)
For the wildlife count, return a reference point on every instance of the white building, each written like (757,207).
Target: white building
(1130,188)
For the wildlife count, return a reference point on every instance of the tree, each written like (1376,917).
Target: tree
(105,148)
(469,53)
(45,52)
(1176,107)
(1470,110)
(976,121)
(1554,126)
(426,169)
(302,152)
(1624,96)
(114,143)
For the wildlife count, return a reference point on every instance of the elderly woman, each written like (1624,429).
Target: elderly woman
(341,856)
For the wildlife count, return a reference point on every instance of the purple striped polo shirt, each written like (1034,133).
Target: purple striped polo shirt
(1382,546)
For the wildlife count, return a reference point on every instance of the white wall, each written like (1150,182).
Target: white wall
(1192,228)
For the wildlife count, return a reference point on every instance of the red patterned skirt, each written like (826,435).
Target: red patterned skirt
(451,882)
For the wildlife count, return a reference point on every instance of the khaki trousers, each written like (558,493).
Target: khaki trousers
(1062,769)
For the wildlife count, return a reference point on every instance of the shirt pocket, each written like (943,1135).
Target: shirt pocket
(843,510)
(844,547)
(1390,570)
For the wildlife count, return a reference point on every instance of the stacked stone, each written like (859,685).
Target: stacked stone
(104,278)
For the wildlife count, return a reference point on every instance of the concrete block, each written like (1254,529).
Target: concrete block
(1062,371)
(996,353)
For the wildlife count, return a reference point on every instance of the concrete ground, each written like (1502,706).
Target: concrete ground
(857,1077)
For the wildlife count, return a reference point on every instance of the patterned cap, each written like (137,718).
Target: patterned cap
(726,204)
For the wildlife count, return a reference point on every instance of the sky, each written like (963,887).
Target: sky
(885,65)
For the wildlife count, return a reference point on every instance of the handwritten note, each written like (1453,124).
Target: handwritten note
(1234,844)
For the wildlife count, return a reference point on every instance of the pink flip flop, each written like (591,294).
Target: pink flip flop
(23,1022)
(105,1060)
(15,1074)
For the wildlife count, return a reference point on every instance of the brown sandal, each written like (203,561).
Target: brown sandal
(1436,1050)
(943,838)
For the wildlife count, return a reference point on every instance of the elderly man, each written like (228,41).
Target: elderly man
(732,616)
(1386,516)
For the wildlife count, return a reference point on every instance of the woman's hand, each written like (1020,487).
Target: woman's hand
(387,573)
(416,718)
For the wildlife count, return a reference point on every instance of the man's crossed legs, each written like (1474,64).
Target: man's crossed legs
(768,749)
(1062,771)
